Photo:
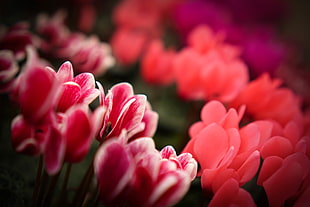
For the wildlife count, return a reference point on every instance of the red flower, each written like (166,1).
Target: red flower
(222,149)
(16,39)
(75,90)
(126,111)
(138,175)
(286,179)
(209,69)
(8,69)
(265,99)
(157,67)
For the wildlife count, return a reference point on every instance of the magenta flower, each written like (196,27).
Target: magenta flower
(87,54)
(75,90)
(55,120)
(52,31)
(16,39)
(36,92)
(138,175)
(27,138)
(8,69)
(126,111)
(71,136)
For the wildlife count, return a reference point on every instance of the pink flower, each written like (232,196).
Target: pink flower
(52,31)
(230,194)
(126,111)
(75,90)
(87,54)
(209,69)
(27,138)
(128,44)
(265,99)
(55,119)
(156,65)
(16,39)
(138,175)
(286,179)
(36,92)
(71,136)
(8,69)
(222,149)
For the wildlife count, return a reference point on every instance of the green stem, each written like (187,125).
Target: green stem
(84,186)
(38,183)
(63,194)
(43,187)
(51,190)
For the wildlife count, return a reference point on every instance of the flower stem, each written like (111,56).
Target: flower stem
(51,190)
(37,183)
(63,193)
(84,186)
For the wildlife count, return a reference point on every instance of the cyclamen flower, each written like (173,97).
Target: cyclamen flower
(78,89)
(139,175)
(128,44)
(55,120)
(265,99)
(16,39)
(126,111)
(157,64)
(285,168)
(52,31)
(286,179)
(8,69)
(224,151)
(87,54)
(209,69)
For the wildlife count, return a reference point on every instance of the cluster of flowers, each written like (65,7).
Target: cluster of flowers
(250,128)
(53,39)
(274,127)
(273,142)
(57,123)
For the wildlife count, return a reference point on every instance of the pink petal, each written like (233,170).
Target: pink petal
(170,189)
(141,146)
(211,145)
(37,93)
(231,120)
(244,198)
(54,152)
(278,146)
(150,119)
(225,194)
(113,169)
(284,183)
(250,137)
(213,111)
(168,152)
(78,134)
(65,72)
(249,168)
(71,93)
(132,117)
(213,179)
(270,166)
(85,80)
(22,137)
(88,96)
